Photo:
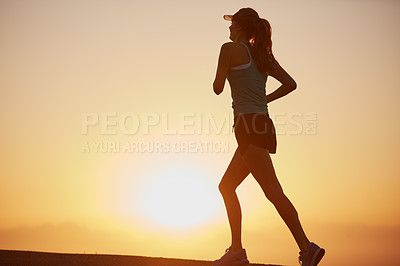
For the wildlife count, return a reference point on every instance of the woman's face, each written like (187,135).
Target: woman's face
(235,31)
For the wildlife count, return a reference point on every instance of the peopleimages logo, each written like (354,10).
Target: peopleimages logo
(164,125)
(146,123)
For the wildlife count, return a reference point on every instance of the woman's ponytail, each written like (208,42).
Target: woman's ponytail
(262,47)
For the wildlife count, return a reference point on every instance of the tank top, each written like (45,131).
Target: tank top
(247,88)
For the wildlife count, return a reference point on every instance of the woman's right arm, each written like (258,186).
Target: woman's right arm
(288,84)
(222,68)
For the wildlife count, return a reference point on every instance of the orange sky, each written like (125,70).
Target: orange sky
(153,63)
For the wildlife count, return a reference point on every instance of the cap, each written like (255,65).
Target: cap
(228,17)
(243,13)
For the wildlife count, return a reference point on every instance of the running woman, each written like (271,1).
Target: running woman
(246,62)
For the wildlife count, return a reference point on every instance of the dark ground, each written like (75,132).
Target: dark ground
(33,258)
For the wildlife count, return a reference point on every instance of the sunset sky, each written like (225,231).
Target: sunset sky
(113,141)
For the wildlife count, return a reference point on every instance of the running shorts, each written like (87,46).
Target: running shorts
(257,129)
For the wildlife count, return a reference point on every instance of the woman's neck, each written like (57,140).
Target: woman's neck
(241,39)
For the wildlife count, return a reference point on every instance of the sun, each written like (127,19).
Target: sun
(179,197)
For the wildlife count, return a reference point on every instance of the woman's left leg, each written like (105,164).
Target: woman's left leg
(234,175)
(236,172)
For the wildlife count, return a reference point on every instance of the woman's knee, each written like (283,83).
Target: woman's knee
(226,188)
(222,187)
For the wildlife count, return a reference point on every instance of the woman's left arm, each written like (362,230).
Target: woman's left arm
(222,69)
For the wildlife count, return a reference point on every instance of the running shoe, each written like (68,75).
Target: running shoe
(313,256)
(232,258)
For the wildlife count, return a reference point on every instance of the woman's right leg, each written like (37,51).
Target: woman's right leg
(259,161)
(236,172)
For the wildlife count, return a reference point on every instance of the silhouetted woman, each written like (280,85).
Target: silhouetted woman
(246,62)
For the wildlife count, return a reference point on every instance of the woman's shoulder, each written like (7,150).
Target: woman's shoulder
(231,47)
